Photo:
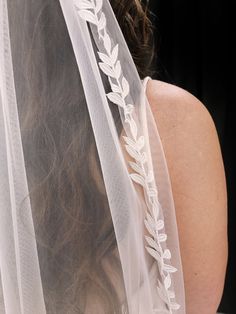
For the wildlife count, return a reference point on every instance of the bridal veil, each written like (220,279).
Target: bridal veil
(87,218)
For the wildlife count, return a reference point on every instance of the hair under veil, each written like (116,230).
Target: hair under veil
(81,251)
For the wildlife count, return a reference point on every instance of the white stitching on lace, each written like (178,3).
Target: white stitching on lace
(90,11)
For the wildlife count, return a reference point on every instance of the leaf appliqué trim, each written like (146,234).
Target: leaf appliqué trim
(91,12)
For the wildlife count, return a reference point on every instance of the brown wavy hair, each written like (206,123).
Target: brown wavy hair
(65,208)
(134,17)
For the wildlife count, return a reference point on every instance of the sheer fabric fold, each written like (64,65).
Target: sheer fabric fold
(87,218)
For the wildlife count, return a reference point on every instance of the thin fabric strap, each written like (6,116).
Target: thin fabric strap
(145,82)
(133,166)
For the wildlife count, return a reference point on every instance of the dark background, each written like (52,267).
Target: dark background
(195,51)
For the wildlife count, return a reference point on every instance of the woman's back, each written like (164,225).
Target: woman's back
(194,159)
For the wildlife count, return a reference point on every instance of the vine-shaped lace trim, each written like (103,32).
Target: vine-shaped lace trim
(91,11)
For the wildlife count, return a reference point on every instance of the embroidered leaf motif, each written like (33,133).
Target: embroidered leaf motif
(84,4)
(161,290)
(167,254)
(162,295)
(132,152)
(106,69)
(110,66)
(128,109)
(143,158)
(116,99)
(136,168)
(151,221)
(162,237)
(154,254)
(107,43)
(115,88)
(118,69)
(102,22)
(169,268)
(88,16)
(130,142)
(137,178)
(140,142)
(98,6)
(160,224)
(125,86)
(156,209)
(152,243)
(174,306)
(105,58)
(167,282)
(114,54)
(149,228)
(150,176)
(152,192)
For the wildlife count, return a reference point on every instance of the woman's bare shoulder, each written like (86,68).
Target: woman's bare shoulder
(195,163)
(173,105)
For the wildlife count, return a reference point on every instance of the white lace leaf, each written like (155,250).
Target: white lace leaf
(136,168)
(114,54)
(160,224)
(151,221)
(150,176)
(152,192)
(83,4)
(149,228)
(116,99)
(152,243)
(162,237)
(132,152)
(167,254)
(143,159)
(98,6)
(102,22)
(167,281)
(128,110)
(156,209)
(154,254)
(131,142)
(118,69)
(125,86)
(169,268)
(88,16)
(174,306)
(137,178)
(107,69)
(141,142)
(137,145)
(107,42)
(161,289)
(114,87)
(106,59)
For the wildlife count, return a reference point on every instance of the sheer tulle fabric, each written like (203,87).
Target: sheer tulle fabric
(87,219)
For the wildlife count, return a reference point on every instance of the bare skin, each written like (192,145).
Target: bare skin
(195,163)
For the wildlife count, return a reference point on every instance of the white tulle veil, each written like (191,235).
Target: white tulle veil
(87,219)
